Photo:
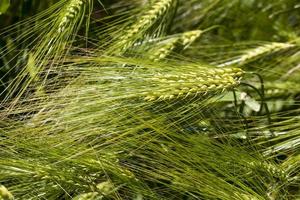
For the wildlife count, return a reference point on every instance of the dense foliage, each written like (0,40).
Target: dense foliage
(150,99)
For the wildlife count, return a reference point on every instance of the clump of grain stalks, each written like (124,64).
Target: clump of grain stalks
(131,106)
(45,40)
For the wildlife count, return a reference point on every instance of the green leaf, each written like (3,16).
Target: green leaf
(4,5)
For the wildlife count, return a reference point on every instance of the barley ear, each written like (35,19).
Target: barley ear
(168,87)
(256,53)
(70,13)
(178,43)
(134,32)
(5,194)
